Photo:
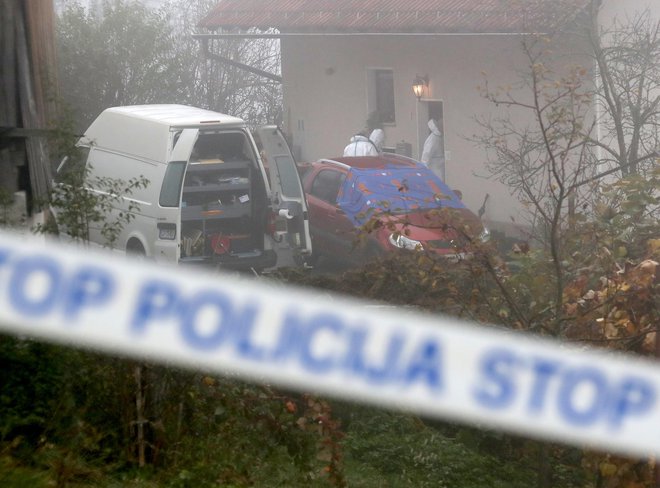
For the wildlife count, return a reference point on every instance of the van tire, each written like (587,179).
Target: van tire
(135,249)
(373,253)
(312,259)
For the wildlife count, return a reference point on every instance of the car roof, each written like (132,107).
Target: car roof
(382,161)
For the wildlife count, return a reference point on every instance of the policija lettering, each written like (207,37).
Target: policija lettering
(39,286)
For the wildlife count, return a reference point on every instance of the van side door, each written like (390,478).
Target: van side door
(288,197)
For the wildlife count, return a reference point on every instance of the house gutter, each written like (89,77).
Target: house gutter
(283,35)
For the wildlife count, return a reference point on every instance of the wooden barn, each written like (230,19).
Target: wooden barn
(28,90)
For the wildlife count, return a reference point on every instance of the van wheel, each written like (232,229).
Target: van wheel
(311,260)
(135,250)
(302,260)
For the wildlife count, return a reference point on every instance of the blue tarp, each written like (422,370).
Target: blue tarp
(394,189)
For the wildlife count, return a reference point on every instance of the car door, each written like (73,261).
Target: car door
(288,197)
(332,231)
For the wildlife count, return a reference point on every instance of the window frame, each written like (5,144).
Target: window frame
(375,94)
(340,181)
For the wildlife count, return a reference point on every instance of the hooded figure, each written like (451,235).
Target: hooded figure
(377,136)
(433,151)
(360,146)
(376,132)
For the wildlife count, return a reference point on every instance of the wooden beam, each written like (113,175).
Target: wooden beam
(243,66)
(22,133)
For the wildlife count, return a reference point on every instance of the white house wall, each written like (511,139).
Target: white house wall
(621,10)
(326,100)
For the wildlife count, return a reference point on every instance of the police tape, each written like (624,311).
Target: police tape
(432,365)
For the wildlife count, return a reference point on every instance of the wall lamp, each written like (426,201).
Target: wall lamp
(419,84)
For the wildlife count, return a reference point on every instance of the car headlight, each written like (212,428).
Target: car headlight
(485,235)
(403,242)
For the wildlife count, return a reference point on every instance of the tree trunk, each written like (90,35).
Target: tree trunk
(140,421)
(543,473)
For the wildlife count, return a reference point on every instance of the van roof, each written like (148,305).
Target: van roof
(146,130)
(176,115)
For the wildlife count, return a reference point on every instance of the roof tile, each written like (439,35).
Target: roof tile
(389,15)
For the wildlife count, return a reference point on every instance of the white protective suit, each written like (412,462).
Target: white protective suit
(360,146)
(377,136)
(433,151)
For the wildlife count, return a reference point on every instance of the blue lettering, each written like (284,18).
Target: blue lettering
(157,301)
(222,329)
(633,397)
(89,287)
(571,381)
(497,368)
(355,361)
(318,323)
(4,255)
(388,370)
(288,342)
(544,370)
(242,325)
(27,268)
(425,363)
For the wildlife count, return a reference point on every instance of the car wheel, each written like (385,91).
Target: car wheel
(373,252)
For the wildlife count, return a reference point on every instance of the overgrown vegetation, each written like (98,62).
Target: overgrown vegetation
(76,418)
(68,420)
(83,203)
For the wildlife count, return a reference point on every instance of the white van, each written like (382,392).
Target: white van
(209,198)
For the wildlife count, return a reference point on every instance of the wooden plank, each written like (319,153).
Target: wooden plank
(8,95)
(37,156)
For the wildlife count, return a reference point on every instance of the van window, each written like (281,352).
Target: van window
(214,147)
(289,178)
(171,189)
(72,167)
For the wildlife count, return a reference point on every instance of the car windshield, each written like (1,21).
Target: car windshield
(393,190)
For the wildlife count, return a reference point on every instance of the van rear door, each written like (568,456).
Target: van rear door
(287,194)
(169,218)
(184,145)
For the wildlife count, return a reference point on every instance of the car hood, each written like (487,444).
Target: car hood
(436,224)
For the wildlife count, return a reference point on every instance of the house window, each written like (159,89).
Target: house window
(380,91)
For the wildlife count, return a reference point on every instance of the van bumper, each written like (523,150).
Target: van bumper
(236,261)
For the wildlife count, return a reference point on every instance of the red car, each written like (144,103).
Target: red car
(404,203)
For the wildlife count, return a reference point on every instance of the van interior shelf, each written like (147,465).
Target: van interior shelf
(202,166)
(216,206)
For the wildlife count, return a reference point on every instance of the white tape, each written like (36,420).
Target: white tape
(428,364)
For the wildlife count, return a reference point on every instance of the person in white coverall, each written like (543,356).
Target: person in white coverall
(376,132)
(377,136)
(360,145)
(433,151)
